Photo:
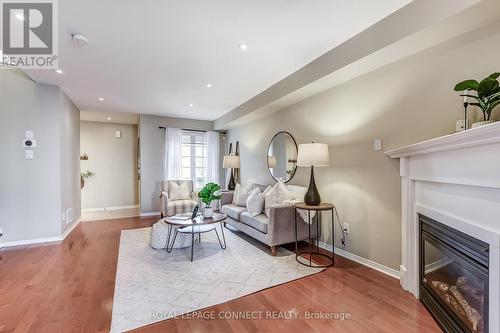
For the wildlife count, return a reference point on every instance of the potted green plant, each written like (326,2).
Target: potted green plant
(85,175)
(487,95)
(207,195)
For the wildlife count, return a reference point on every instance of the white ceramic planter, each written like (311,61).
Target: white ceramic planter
(482,123)
(208,212)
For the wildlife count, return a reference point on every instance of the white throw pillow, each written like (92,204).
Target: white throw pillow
(298,192)
(277,195)
(269,188)
(255,202)
(241,199)
(178,192)
(235,193)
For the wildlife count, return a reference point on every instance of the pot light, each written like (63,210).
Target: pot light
(59,71)
(191,105)
(109,118)
(208,85)
(101,99)
(243,46)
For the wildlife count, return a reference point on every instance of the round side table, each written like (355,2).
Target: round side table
(314,248)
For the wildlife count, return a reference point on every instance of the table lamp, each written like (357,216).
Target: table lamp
(313,154)
(231,162)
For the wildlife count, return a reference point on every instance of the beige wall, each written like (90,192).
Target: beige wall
(114,162)
(152,152)
(402,103)
(36,194)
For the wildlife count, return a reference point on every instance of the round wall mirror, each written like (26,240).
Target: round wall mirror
(282,157)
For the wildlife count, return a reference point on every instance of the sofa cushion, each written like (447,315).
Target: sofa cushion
(233,211)
(259,222)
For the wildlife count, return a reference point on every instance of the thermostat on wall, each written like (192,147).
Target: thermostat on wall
(118,134)
(29,143)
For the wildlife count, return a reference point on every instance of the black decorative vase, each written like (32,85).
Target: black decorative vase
(312,197)
(231,186)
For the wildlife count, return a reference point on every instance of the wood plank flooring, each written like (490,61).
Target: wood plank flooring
(68,287)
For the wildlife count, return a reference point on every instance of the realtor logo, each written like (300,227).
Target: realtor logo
(29,34)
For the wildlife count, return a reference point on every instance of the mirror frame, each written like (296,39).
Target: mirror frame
(267,155)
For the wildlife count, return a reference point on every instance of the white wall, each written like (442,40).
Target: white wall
(114,162)
(33,192)
(402,103)
(152,154)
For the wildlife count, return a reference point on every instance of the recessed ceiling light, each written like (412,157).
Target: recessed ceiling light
(101,99)
(191,105)
(243,46)
(59,71)
(109,118)
(20,17)
(208,85)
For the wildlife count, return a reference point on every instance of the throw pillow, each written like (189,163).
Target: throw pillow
(236,192)
(178,192)
(241,199)
(255,202)
(277,195)
(298,192)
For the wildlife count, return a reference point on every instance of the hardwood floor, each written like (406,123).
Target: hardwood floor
(69,287)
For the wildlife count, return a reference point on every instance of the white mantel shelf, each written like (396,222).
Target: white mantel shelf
(473,137)
(454,179)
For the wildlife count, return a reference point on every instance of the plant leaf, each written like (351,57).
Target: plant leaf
(467,85)
(494,75)
(487,87)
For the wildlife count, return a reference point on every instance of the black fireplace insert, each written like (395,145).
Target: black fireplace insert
(453,277)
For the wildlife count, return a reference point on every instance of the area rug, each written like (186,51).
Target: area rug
(153,285)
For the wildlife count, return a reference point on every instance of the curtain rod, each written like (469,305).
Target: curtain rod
(191,130)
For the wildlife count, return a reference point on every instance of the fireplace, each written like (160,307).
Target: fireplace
(453,277)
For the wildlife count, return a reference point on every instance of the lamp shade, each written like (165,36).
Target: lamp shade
(271,161)
(231,162)
(313,154)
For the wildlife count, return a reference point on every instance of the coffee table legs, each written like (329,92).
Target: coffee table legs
(171,246)
(223,237)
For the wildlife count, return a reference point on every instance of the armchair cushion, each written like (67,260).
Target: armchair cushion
(179,207)
(259,222)
(233,211)
(178,191)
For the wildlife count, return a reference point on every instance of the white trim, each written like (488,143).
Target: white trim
(31,241)
(150,214)
(67,232)
(108,208)
(41,240)
(363,261)
(483,135)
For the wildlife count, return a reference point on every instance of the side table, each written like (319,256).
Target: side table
(314,249)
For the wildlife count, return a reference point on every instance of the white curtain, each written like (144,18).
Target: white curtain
(172,162)
(213,160)
(213,157)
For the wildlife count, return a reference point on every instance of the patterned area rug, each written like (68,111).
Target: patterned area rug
(153,285)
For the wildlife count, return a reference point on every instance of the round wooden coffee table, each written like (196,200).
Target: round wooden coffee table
(198,225)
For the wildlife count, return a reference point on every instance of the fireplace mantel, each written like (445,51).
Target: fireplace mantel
(454,179)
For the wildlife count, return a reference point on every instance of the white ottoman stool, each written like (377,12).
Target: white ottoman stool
(159,235)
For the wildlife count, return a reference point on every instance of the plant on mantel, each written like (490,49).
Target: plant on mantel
(487,93)
(85,175)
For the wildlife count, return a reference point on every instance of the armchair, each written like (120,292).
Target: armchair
(170,207)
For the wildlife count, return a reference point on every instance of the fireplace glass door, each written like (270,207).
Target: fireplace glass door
(454,276)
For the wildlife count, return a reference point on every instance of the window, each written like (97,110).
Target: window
(194,158)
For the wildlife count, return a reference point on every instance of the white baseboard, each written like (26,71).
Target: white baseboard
(99,209)
(41,240)
(67,232)
(360,260)
(150,214)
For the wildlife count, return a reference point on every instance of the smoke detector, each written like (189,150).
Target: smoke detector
(79,39)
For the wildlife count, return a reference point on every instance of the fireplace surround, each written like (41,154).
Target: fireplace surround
(453,277)
(454,180)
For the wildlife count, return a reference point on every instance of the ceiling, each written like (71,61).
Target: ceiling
(156,57)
